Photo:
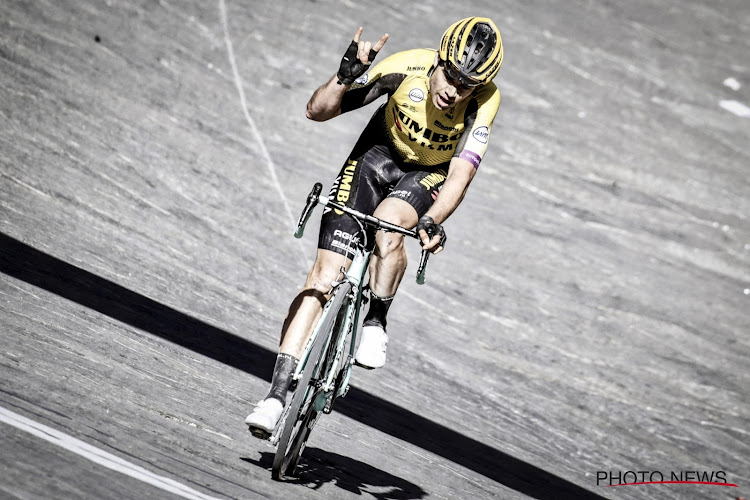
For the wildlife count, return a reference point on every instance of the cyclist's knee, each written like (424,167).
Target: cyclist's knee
(320,282)
(325,270)
(389,244)
(397,212)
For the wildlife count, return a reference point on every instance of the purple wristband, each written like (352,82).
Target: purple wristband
(472,158)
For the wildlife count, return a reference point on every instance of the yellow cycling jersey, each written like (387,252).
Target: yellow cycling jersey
(421,133)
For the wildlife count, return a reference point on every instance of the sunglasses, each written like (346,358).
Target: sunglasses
(452,73)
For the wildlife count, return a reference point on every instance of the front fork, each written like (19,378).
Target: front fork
(331,388)
(339,386)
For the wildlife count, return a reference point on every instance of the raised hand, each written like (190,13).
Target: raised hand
(358,57)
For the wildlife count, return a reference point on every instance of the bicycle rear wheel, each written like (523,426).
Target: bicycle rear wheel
(301,414)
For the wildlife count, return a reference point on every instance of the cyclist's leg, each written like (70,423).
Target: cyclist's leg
(307,306)
(387,266)
(304,312)
(412,196)
(388,262)
(357,186)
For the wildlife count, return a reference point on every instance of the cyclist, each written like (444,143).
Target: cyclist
(411,166)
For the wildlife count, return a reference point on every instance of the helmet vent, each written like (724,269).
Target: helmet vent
(474,46)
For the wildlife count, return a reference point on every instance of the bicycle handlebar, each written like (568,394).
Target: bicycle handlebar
(312,199)
(316,198)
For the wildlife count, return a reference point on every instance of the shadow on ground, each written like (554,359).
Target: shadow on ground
(78,285)
(318,467)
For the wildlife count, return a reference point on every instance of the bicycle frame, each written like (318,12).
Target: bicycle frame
(346,329)
(323,371)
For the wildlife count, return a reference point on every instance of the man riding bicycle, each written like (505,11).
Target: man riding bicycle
(411,166)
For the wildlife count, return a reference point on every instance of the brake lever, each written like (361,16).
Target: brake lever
(312,200)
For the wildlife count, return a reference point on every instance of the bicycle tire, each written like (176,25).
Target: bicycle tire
(301,416)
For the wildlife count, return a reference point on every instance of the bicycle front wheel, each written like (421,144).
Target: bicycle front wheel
(301,414)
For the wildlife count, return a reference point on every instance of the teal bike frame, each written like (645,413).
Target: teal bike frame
(324,369)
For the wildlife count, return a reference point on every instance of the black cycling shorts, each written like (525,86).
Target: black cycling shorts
(366,179)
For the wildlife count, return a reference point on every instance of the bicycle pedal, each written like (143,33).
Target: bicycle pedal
(356,363)
(260,433)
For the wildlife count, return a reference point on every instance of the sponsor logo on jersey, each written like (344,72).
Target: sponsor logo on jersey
(433,180)
(395,119)
(444,127)
(416,68)
(482,134)
(471,157)
(416,95)
(362,80)
(425,136)
(343,235)
(343,186)
(343,246)
(401,193)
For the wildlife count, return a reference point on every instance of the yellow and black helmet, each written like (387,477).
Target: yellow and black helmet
(473,45)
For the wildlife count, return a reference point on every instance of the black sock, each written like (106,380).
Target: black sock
(283,372)
(378,311)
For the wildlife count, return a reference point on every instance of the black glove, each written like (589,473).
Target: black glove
(351,67)
(429,226)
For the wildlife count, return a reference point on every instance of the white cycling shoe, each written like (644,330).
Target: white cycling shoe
(264,418)
(371,351)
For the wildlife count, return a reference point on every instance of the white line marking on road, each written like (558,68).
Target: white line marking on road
(251,122)
(736,107)
(424,303)
(98,456)
(27,186)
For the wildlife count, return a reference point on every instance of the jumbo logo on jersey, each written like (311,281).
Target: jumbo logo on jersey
(433,180)
(416,95)
(406,125)
(482,134)
(346,184)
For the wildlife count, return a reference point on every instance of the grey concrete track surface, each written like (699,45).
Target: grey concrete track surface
(589,313)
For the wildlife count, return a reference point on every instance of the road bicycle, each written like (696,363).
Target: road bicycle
(324,369)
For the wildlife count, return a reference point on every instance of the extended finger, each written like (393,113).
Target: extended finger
(358,34)
(364,54)
(380,43)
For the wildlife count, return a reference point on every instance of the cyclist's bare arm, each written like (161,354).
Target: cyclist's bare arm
(326,101)
(460,174)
